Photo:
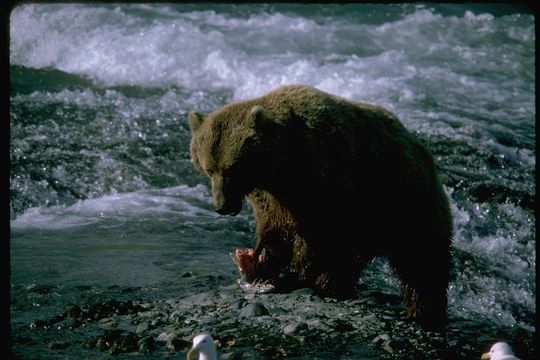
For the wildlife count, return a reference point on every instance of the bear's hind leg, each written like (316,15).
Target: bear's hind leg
(424,290)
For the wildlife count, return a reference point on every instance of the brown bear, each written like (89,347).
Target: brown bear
(332,184)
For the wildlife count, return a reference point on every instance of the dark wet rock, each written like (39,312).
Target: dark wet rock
(69,323)
(342,325)
(146,344)
(391,344)
(297,325)
(178,344)
(395,345)
(73,312)
(172,341)
(157,322)
(117,342)
(489,192)
(106,309)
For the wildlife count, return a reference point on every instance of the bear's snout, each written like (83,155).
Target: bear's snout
(225,203)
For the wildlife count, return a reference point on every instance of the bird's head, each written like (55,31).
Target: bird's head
(203,345)
(498,351)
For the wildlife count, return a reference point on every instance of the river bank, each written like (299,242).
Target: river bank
(124,322)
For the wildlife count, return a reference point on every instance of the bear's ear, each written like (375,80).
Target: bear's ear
(259,116)
(195,120)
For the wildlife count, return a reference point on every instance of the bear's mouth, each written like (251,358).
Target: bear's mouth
(230,207)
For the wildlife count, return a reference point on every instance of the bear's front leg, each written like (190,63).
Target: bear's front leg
(327,270)
(275,269)
(268,263)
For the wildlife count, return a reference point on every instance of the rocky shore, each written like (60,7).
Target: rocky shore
(297,325)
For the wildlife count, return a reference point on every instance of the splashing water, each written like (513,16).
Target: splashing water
(99,148)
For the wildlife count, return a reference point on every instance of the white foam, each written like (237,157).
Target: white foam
(180,201)
(385,64)
(111,47)
(508,253)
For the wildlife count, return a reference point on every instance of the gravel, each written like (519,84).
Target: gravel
(297,325)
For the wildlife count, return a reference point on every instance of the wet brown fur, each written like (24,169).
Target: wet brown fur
(332,184)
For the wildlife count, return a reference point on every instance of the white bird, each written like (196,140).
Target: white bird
(499,351)
(203,344)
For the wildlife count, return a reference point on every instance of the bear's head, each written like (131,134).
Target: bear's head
(226,146)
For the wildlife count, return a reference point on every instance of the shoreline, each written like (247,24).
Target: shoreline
(296,325)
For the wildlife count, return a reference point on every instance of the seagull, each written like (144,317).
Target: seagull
(499,351)
(203,344)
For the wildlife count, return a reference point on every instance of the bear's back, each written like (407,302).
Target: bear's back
(318,108)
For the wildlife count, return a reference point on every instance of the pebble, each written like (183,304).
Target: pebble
(202,299)
(108,324)
(253,310)
(172,341)
(237,303)
(177,316)
(379,339)
(303,291)
(142,327)
(166,337)
(146,306)
(294,328)
(389,343)
(252,326)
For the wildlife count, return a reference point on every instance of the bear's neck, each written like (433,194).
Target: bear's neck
(278,205)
